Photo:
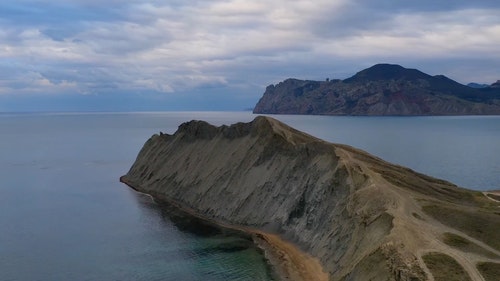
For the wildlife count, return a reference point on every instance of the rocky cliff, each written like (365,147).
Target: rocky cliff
(382,89)
(361,217)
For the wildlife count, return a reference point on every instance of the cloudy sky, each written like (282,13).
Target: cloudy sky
(220,54)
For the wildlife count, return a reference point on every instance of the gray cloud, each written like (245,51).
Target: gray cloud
(236,47)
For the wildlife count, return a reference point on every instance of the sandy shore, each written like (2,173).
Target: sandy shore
(288,261)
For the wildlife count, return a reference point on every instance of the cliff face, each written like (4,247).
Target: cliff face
(358,215)
(380,90)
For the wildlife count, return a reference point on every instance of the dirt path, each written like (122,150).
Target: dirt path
(435,244)
(413,223)
(497,193)
(421,233)
(464,260)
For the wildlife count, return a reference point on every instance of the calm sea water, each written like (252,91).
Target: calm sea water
(65,216)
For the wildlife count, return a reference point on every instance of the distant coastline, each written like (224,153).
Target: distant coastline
(381,90)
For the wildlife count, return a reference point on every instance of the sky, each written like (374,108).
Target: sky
(120,55)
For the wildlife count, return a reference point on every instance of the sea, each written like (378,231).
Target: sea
(64,215)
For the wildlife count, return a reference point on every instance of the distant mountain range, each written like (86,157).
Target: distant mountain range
(383,89)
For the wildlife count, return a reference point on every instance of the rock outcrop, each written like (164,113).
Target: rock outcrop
(383,89)
(361,217)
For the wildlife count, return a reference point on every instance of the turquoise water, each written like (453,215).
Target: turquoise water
(65,216)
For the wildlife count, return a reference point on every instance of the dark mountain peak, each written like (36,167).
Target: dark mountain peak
(441,77)
(496,84)
(385,67)
(477,85)
(385,71)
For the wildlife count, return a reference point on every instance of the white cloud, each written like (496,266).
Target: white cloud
(179,45)
(33,82)
(437,34)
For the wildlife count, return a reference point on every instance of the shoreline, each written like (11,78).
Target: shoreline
(286,259)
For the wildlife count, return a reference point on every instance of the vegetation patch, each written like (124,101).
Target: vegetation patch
(489,270)
(445,268)
(463,244)
(477,223)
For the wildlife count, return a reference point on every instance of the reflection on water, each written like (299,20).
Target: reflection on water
(215,251)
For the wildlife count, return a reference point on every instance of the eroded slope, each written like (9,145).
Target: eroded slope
(360,216)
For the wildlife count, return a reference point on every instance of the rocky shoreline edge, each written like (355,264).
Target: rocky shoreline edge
(287,260)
